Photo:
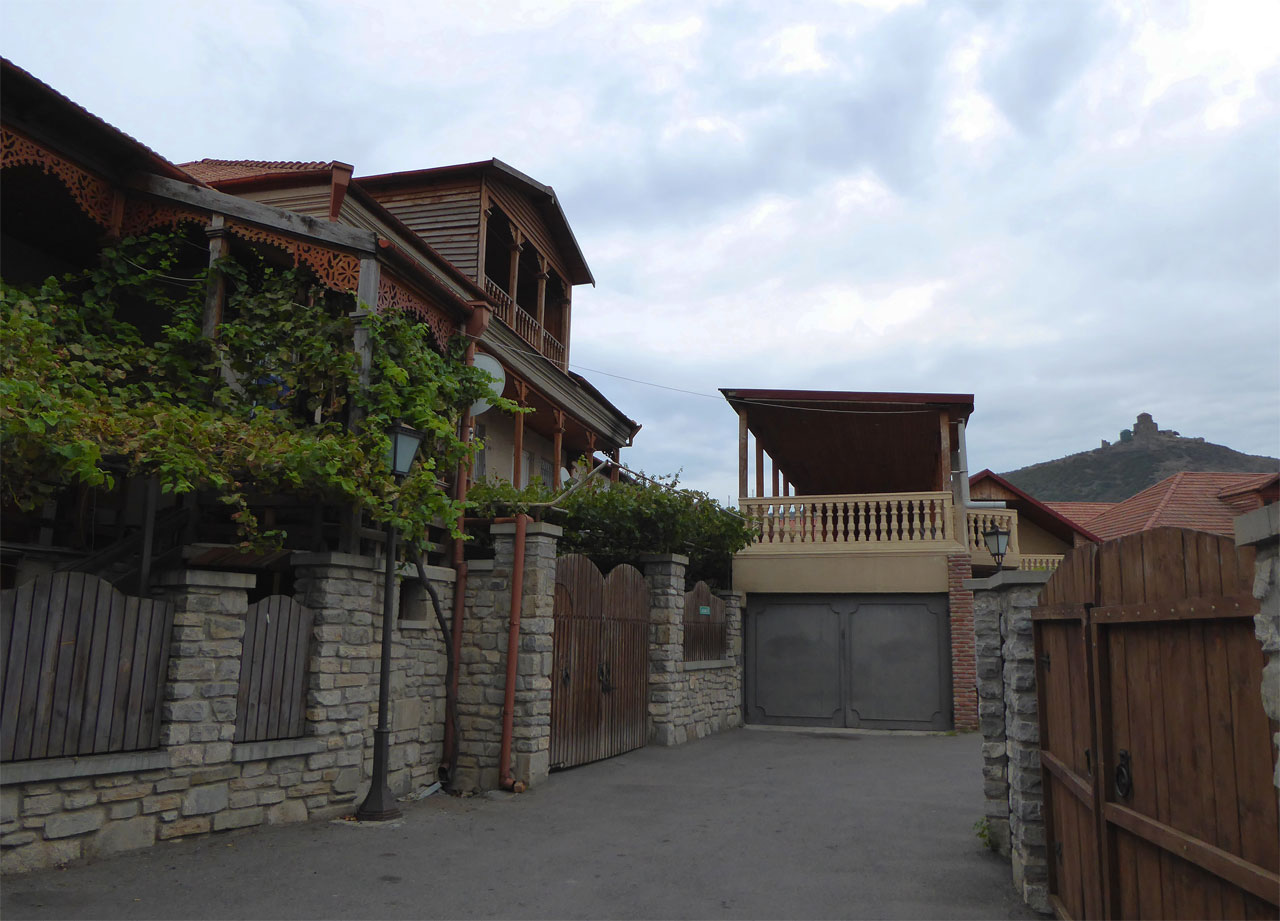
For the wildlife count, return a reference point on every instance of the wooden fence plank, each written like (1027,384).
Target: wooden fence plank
(16,660)
(138,674)
(110,659)
(157,667)
(1222,746)
(42,713)
(82,651)
(124,673)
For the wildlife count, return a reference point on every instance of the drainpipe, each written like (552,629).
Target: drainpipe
(963,473)
(473,329)
(505,778)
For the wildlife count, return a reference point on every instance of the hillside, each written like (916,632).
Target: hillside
(1145,455)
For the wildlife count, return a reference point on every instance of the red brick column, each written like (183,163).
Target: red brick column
(964,673)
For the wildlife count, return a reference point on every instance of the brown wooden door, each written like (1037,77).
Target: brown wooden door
(600,674)
(1183,807)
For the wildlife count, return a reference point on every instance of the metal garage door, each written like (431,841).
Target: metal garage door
(872,661)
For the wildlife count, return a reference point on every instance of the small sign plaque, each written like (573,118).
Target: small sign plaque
(704,610)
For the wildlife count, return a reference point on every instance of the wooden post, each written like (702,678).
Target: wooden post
(542,290)
(759,468)
(615,473)
(517,460)
(513,269)
(557,448)
(216,293)
(742,453)
(564,326)
(944,453)
(786,486)
(366,302)
(774,468)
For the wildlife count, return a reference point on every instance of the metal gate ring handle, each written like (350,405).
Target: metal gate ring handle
(1124,775)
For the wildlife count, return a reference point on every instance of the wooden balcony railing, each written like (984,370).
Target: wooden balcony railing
(525,324)
(897,519)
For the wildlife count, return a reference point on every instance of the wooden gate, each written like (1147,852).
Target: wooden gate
(600,678)
(273,670)
(1157,755)
(82,668)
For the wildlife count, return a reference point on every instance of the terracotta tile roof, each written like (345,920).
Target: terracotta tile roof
(1080,512)
(1186,500)
(214,171)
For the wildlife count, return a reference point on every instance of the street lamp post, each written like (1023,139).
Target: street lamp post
(380,804)
(997,541)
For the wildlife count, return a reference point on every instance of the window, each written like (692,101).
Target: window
(526,468)
(546,471)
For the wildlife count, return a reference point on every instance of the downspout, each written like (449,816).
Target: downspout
(505,779)
(473,329)
(963,472)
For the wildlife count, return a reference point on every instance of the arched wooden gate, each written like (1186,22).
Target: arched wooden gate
(600,678)
(1157,755)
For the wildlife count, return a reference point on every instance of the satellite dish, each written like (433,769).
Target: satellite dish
(494,369)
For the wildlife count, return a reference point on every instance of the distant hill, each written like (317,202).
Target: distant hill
(1142,457)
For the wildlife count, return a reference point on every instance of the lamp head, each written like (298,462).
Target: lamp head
(997,540)
(405,442)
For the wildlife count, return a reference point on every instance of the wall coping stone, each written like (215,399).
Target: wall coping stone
(353,560)
(479,566)
(84,766)
(728,593)
(1010,577)
(434,573)
(205,578)
(709,663)
(277,748)
(532,529)
(1260,526)
(663,558)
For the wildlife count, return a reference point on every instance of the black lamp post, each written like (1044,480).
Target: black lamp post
(997,541)
(380,804)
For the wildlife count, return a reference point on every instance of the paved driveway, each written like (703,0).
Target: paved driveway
(749,824)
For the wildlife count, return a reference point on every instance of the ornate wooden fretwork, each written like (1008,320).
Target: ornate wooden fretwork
(92,193)
(141,215)
(333,268)
(394,296)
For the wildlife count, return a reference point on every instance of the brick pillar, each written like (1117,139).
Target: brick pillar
(733,602)
(199,711)
(342,680)
(482,667)
(964,673)
(668,720)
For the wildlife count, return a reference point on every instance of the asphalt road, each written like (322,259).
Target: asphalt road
(749,824)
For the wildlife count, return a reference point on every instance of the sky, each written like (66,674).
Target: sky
(1068,208)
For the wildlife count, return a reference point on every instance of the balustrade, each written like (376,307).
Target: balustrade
(1040,561)
(887,518)
(525,324)
(979,521)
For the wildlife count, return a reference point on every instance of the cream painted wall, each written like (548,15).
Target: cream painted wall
(499,439)
(858,572)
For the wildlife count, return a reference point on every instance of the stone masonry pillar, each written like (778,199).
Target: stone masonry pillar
(665,575)
(733,602)
(342,681)
(988,609)
(199,711)
(1260,529)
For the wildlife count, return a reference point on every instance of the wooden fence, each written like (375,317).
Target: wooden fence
(83,667)
(705,629)
(1157,755)
(273,665)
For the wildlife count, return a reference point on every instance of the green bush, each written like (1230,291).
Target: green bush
(614,523)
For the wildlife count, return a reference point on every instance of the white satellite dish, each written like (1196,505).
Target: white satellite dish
(494,369)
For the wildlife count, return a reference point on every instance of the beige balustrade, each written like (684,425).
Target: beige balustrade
(885,518)
(1040,561)
(979,521)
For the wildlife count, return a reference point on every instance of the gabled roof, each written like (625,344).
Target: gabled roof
(30,103)
(216,171)
(1080,512)
(542,196)
(1044,515)
(1188,500)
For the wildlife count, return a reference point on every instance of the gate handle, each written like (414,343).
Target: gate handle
(1124,775)
(605,673)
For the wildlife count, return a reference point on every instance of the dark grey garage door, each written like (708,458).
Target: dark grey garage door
(872,661)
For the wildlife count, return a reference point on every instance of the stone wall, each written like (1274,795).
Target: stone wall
(482,671)
(1260,529)
(1009,721)
(200,780)
(688,700)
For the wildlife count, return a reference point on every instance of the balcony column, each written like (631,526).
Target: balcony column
(517,448)
(759,468)
(615,474)
(743,435)
(564,325)
(786,485)
(513,269)
(557,447)
(944,451)
(542,276)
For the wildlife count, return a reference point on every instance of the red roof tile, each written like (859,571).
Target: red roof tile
(214,171)
(1080,512)
(1185,500)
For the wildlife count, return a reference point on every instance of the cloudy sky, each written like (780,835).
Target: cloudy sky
(1070,209)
